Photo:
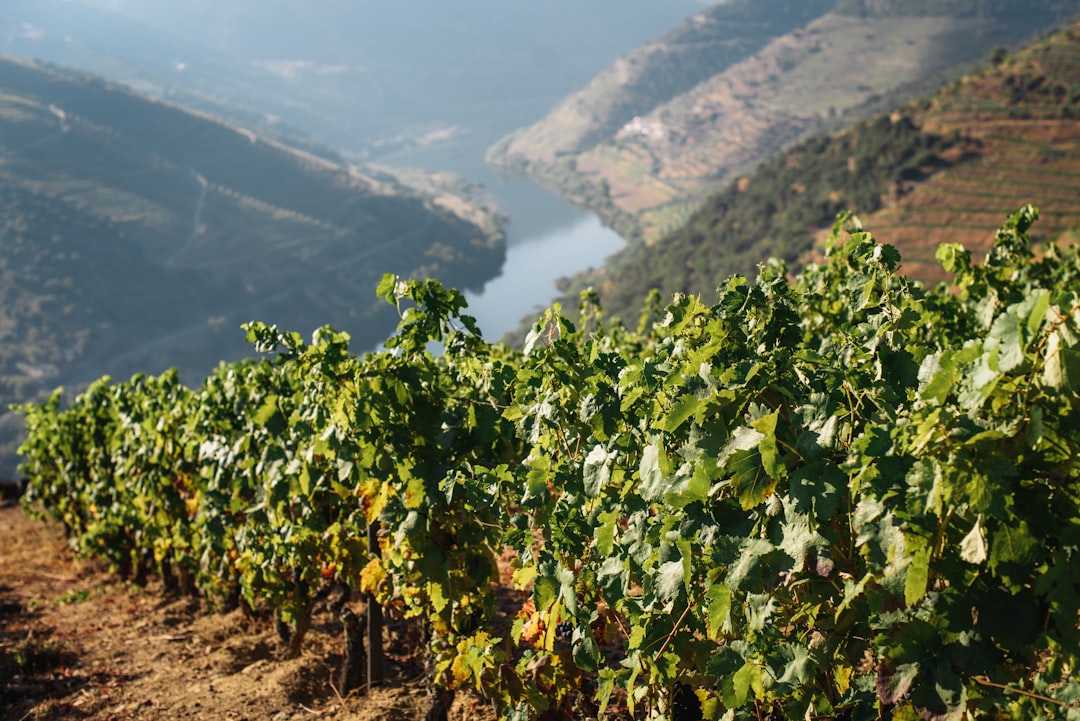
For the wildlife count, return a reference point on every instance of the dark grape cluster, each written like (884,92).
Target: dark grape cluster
(564,631)
(685,706)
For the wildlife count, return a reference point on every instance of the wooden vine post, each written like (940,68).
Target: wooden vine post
(375,666)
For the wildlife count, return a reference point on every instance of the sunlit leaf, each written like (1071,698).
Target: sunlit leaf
(973,548)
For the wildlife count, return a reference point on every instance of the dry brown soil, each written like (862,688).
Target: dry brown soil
(77,643)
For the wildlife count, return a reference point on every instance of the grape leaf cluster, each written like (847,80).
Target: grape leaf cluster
(837,495)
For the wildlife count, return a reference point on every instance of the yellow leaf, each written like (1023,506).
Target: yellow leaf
(843,679)
(523,577)
(374,495)
(372,575)
(415,493)
(460,669)
(438,598)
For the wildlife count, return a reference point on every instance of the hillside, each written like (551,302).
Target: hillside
(753,78)
(939,168)
(364,77)
(158,63)
(137,235)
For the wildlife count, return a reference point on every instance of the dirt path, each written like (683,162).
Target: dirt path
(76,643)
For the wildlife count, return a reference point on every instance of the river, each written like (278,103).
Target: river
(533,262)
(547,237)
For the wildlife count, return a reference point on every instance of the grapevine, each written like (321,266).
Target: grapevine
(838,495)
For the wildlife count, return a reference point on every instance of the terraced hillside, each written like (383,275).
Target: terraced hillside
(941,168)
(645,157)
(1024,115)
(137,235)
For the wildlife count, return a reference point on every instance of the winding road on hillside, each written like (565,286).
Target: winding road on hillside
(368,252)
(196,221)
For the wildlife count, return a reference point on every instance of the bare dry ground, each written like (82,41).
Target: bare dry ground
(77,643)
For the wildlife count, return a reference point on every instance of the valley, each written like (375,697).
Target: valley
(645,160)
(939,168)
(643,146)
(832,474)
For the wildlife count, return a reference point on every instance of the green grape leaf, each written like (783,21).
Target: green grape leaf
(815,489)
(1034,309)
(918,573)
(567,591)
(605,532)
(681,410)
(437,596)
(266,411)
(612,577)
(800,668)
(386,289)
(770,457)
(523,576)
(747,679)
(742,458)
(1012,543)
(536,484)
(719,608)
(751,550)
(596,472)
(750,479)
(760,608)
(653,483)
(1006,338)
(587,654)
(531,338)
(1061,370)
(545,590)
(692,487)
(669,580)
(953,257)
(937,376)
(798,540)
(742,439)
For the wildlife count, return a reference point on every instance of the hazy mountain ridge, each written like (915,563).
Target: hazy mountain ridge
(155,62)
(138,235)
(1003,10)
(649,175)
(942,168)
(673,64)
(361,76)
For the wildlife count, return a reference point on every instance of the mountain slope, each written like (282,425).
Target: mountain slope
(944,168)
(645,172)
(659,72)
(135,235)
(156,62)
(361,75)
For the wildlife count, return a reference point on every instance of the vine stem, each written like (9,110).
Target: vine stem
(1039,697)
(678,625)
(619,623)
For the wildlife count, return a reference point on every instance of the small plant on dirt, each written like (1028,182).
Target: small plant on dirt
(35,656)
(76,596)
